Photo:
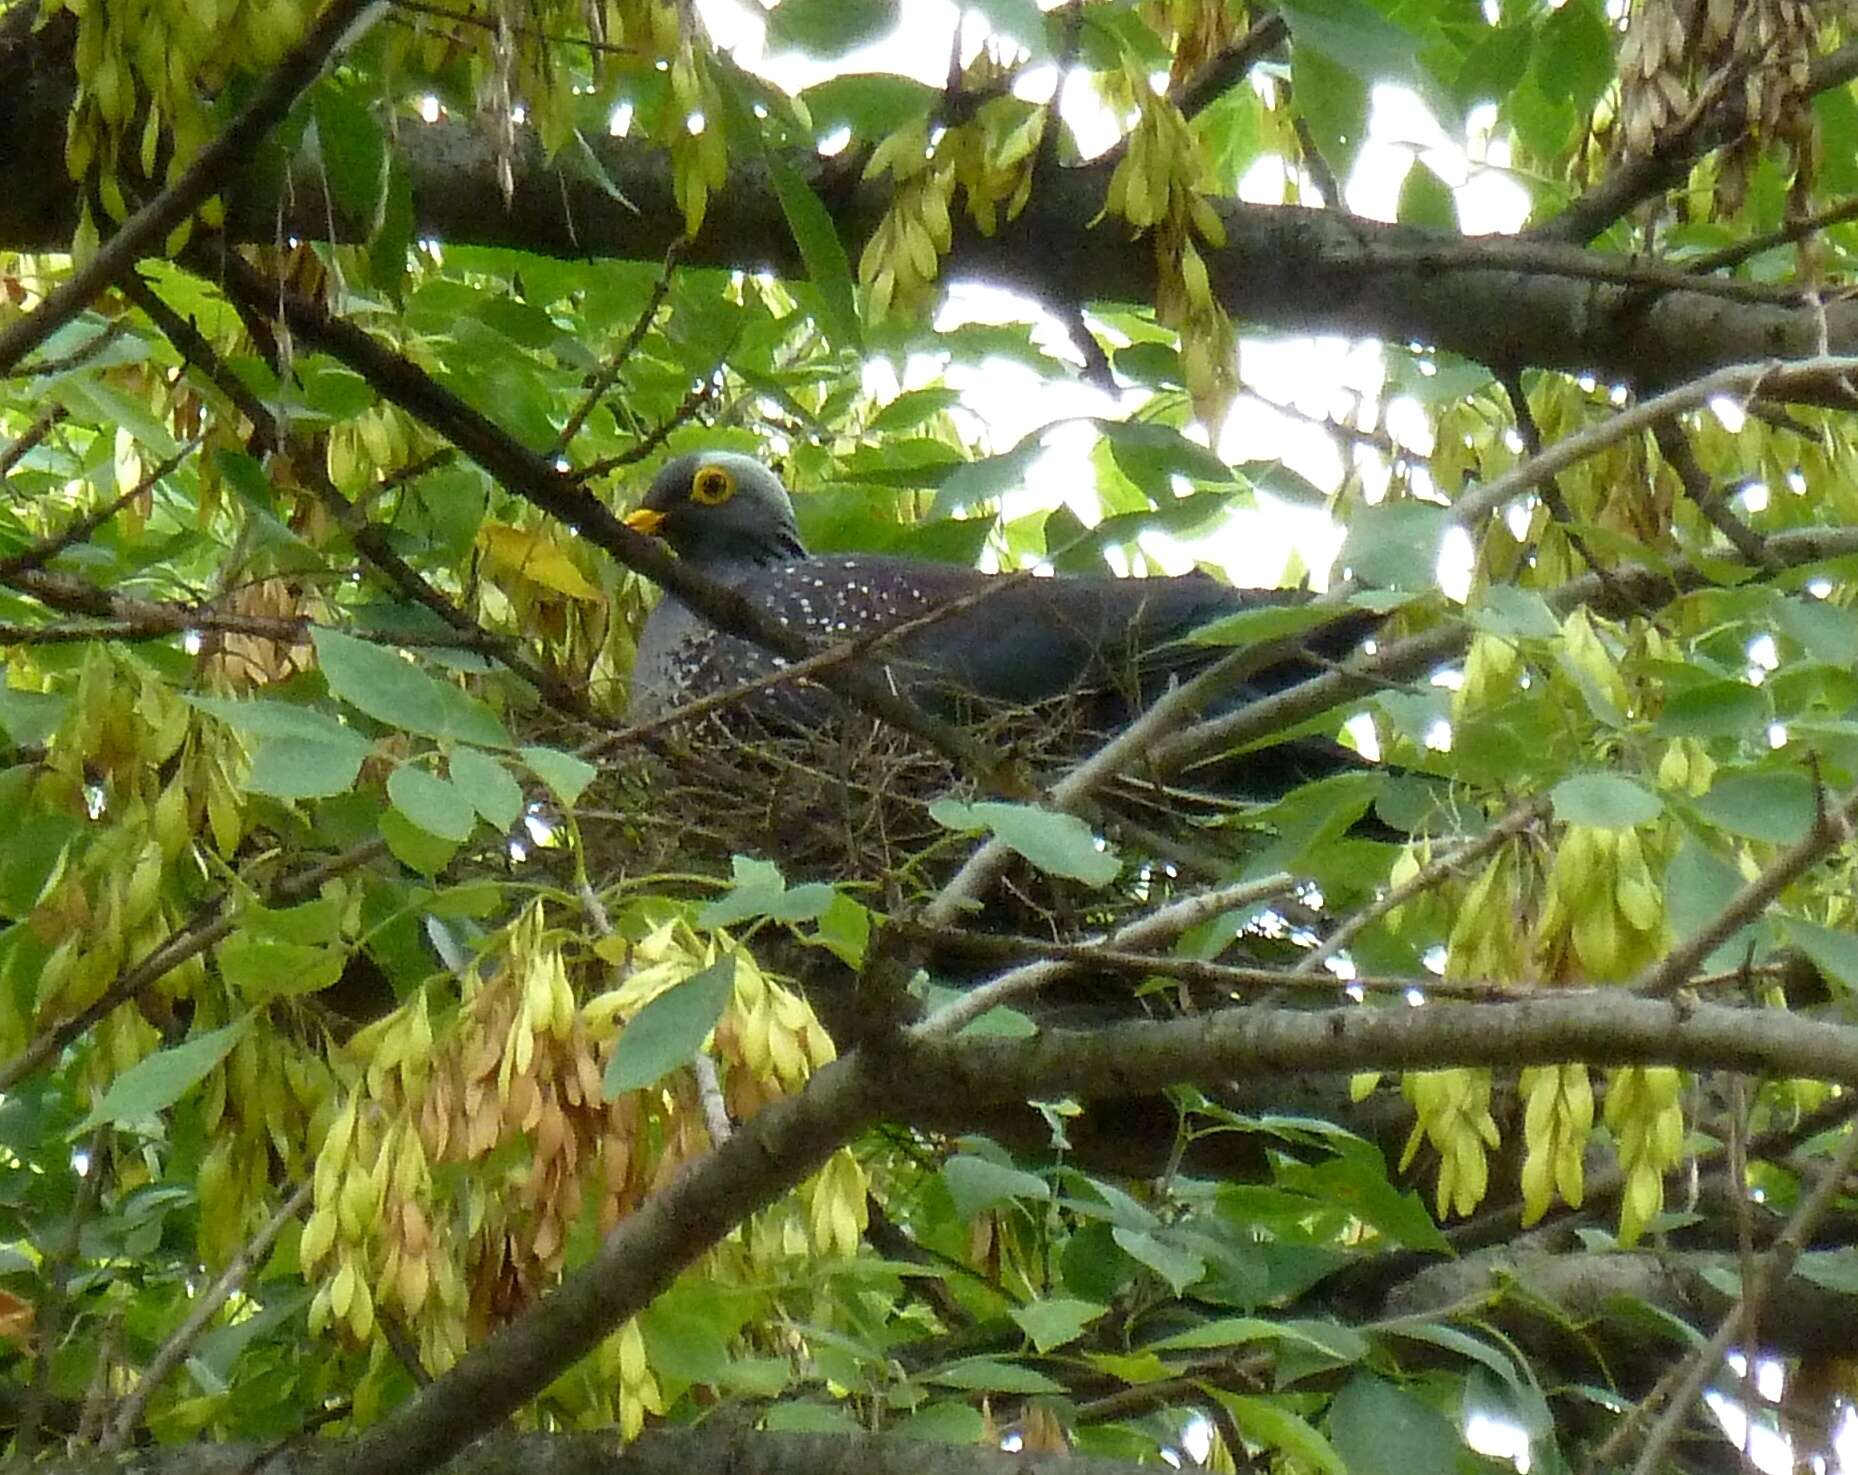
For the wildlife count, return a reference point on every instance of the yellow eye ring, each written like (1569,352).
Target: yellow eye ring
(712,486)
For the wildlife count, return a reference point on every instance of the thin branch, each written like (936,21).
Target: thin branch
(1637,177)
(1549,487)
(1770,377)
(1641,587)
(47,548)
(35,433)
(1794,231)
(556,38)
(205,1308)
(609,372)
(232,148)
(54,1302)
(1225,71)
(1681,457)
(1149,930)
(1829,830)
(1776,1265)
(212,920)
(1441,869)
(1226,976)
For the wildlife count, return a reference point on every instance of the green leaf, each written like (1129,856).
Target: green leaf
(1267,622)
(985,480)
(1333,101)
(1698,885)
(1834,953)
(1574,52)
(387,251)
(391,689)
(761,891)
(829,28)
(1828,632)
(353,153)
(1271,1424)
(1059,844)
(297,768)
(29,718)
(489,787)
(669,1030)
(431,802)
(844,930)
(991,1375)
(869,104)
(564,774)
(312,923)
(1714,709)
(1777,807)
(1051,1324)
(911,408)
(944,1421)
(1605,800)
(1427,200)
(977,1184)
(302,753)
(1379,1428)
(808,220)
(413,846)
(1354,35)
(1831,1270)
(1332,1340)
(1514,614)
(1021,20)
(1396,544)
(151,1086)
(1150,455)
(1179,1268)
(262,968)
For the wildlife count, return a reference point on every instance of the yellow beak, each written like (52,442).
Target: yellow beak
(644,520)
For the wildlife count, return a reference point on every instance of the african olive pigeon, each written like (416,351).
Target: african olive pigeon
(1113,644)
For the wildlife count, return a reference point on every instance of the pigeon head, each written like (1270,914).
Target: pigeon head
(720,507)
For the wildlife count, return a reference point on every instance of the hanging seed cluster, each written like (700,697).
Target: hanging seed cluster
(472,1151)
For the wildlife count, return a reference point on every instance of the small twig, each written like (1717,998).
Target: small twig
(1676,968)
(77,357)
(1770,377)
(54,1287)
(180,1343)
(1314,161)
(35,434)
(1161,925)
(1439,870)
(48,548)
(1549,487)
(1674,445)
(1730,257)
(1222,72)
(400,1342)
(466,18)
(609,373)
(211,921)
(652,439)
(1776,1265)
(1737,1174)
(1089,953)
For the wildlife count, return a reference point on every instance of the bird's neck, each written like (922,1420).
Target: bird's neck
(726,556)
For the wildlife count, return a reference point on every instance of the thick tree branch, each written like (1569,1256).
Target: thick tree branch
(143,232)
(1496,300)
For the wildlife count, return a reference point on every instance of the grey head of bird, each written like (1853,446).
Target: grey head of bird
(718,508)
